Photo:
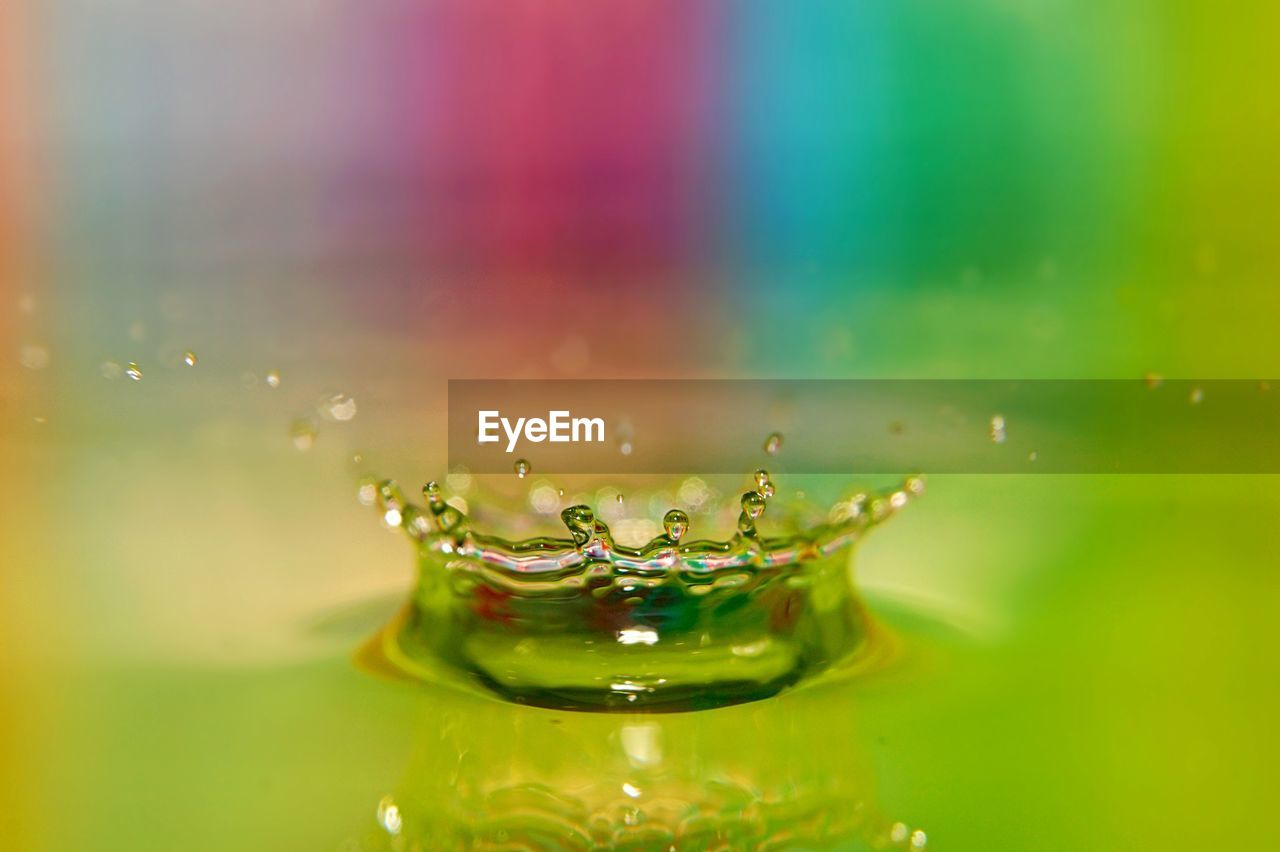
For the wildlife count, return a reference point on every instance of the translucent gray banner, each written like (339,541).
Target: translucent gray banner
(865,426)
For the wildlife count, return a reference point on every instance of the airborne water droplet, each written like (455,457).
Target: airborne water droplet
(133,372)
(675,524)
(773,443)
(522,468)
(273,379)
(1196,397)
(389,816)
(998,434)
(189,358)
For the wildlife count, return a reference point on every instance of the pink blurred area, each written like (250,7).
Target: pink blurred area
(389,172)
(559,136)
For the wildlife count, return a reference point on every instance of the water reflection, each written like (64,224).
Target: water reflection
(789,772)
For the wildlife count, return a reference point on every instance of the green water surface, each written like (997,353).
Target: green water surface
(1096,670)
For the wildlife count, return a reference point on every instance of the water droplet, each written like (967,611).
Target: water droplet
(879,509)
(581,522)
(625,448)
(33,356)
(619,499)
(1032,456)
(675,524)
(303,433)
(522,468)
(189,358)
(448,517)
(452,514)
(389,495)
(272,379)
(110,370)
(764,485)
(919,839)
(998,434)
(133,372)
(340,407)
(1153,380)
(641,542)
(898,832)
(1196,396)
(773,443)
(389,815)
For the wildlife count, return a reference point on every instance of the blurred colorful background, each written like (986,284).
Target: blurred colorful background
(327,201)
